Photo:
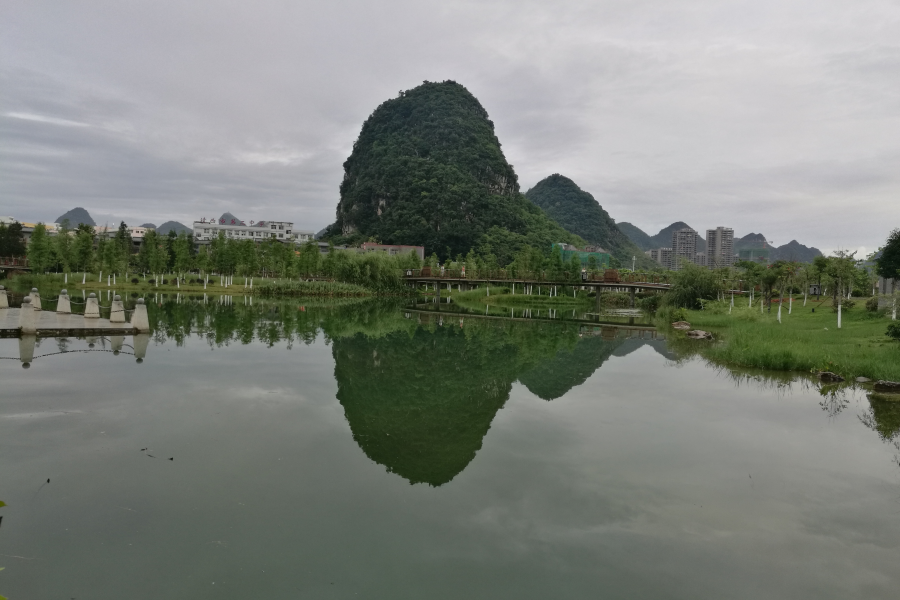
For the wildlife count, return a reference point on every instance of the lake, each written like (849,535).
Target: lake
(370,450)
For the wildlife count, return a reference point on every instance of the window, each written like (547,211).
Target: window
(281,235)
(273,226)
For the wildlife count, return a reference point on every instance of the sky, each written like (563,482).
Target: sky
(772,117)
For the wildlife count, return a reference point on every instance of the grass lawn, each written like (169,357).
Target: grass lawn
(803,341)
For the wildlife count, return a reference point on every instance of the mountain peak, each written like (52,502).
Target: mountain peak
(580,213)
(427,169)
(76,217)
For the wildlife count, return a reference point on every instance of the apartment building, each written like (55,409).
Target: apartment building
(661,255)
(684,247)
(720,247)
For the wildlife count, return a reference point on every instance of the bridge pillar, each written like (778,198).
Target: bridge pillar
(139,320)
(27,317)
(92,307)
(4,301)
(632,297)
(117,310)
(599,305)
(63,305)
(35,299)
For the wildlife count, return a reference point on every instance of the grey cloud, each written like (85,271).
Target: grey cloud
(772,117)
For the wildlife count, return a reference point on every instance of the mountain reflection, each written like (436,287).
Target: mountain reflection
(420,402)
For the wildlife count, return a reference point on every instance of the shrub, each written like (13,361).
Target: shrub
(151,281)
(691,285)
(135,280)
(165,282)
(651,303)
(893,331)
(845,304)
(872,304)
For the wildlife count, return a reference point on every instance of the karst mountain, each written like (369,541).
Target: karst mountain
(428,169)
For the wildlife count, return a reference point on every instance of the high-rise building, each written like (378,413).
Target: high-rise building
(701,260)
(661,255)
(720,247)
(684,247)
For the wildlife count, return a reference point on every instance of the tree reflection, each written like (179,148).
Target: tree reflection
(883,416)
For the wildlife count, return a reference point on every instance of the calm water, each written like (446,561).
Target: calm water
(367,451)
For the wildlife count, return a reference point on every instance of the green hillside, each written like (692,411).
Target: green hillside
(636,235)
(427,169)
(579,213)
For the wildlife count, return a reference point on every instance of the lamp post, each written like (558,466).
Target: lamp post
(633,259)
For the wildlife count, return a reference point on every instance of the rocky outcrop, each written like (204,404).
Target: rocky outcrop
(829,377)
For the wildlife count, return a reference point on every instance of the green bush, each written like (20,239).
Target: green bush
(691,285)
(650,303)
(846,304)
(893,331)
(872,304)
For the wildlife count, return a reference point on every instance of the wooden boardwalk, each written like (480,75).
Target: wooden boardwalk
(52,324)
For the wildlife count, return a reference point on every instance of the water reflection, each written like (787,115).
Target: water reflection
(420,389)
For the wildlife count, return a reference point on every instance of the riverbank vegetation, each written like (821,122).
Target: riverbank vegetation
(778,325)
(806,340)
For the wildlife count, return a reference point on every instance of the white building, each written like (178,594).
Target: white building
(283,231)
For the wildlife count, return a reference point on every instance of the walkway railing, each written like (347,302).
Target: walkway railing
(19,262)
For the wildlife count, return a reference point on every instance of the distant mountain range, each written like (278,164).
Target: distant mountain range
(793,250)
(79,215)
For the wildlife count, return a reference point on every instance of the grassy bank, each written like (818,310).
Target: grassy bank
(296,289)
(804,341)
(504,296)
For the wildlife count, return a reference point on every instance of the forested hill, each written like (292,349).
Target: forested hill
(579,213)
(636,235)
(427,169)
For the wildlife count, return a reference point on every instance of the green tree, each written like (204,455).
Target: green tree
(12,242)
(888,264)
(63,246)
(691,284)
(153,255)
(120,250)
(817,272)
(309,259)
(182,252)
(83,247)
(40,249)
(555,264)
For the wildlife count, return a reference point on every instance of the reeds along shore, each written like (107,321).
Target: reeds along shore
(804,340)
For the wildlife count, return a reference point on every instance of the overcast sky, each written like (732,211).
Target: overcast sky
(773,116)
